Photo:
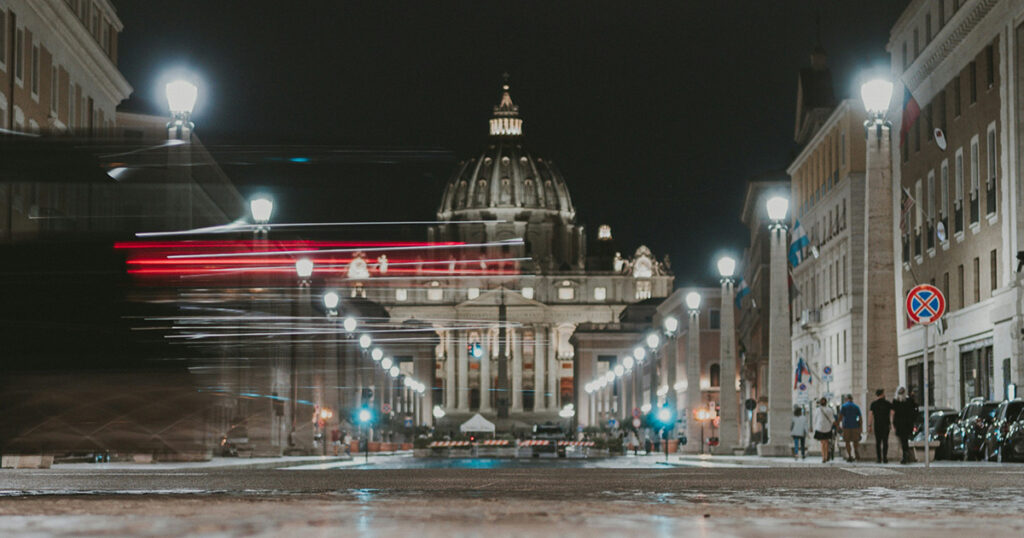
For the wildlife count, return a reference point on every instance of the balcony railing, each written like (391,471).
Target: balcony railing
(990,198)
(974,207)
(930,236)
(958,217)
(917,242)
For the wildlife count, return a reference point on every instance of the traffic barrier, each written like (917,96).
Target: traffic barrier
(448,444)
(576,443)
(494,442)
(534,442)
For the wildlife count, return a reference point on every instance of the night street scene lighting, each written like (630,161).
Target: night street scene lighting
(601,268)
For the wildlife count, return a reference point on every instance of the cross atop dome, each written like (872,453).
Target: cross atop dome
(506,120)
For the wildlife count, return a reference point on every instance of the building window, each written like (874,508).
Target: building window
(19,55)
(960,285)
(842,148)
(528,292)
(993,268)
(941,103)
(945,284)
(976,374)
(643,289)
(714,319)
(54,87)
(566,293)
(105,34)
(715,376)
(942,13)
(3,40)
(401,295)
(973,83)
(977,279)
(927,28)
(434,292)
(993,163)
(473,293)
(600,293)
(957,96)
(917,46)
(905,64)
(990,66)
(958,195)
(35,71)
(975,181)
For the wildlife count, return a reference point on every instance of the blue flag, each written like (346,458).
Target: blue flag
(797,244)
(741,291)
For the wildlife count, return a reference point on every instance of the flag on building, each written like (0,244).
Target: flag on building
(797,244)
(801,371)
(911,111)
(742,290)
(794,291)
(907,204)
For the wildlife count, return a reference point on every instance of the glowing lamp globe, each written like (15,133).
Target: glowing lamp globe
(377,354)
(385,363)
(627,361)
(777,208)
(364,415)
(639,353)
(653,340)
(693,300)
(350,324)
(304,268)
(671,325)
(726,266)
(876,95)
(438,412)
(664,415)
(394,371)
(619,370)
(181,96)
(365,341)
(261,209)
(331,300)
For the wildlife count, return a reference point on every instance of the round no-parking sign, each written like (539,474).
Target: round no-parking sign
(925,304)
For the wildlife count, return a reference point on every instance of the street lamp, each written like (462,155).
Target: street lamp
(619,370)
(438,412)
(394,371)
(627,361)
(653,341)
(671,325)
(780,395)
(304,269)
(876,94)
(349,324)
(377,354)
(181,99)
(331,300)
(385,363)
(729,426)
(261,208)
(365,341)
(693,301)
(639,353)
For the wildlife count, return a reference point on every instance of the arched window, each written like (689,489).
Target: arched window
(715,376)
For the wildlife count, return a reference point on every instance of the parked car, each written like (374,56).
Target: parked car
(1013,447)
(938,426)
(996,434)
(967,434)
(919,421)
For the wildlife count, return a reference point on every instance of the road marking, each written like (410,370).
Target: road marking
(871,471)
(102,473)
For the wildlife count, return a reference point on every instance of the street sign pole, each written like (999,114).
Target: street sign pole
(925,305)
(927,433)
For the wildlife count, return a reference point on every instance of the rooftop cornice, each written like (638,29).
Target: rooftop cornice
(950,37)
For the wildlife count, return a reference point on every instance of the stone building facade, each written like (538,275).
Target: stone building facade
(961,61)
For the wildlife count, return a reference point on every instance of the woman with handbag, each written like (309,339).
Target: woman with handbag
(904,410)
(824,420)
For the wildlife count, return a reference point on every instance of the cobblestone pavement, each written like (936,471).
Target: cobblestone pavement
(406,496)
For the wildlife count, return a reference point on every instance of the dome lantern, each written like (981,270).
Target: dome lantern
(506,120)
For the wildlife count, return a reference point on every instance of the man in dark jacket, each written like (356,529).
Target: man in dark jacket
(879,422)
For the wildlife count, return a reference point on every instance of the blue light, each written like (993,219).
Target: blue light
(299,159)
(365,415)
(477,350)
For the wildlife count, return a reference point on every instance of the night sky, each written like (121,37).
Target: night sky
(657,113)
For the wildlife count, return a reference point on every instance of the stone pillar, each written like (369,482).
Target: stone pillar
(638,384)
(485,370)
(780,370)
(540,356)
(627,389)
(462,385)
(880,369)
(517,370)
(728,432)
(553,371)
(693,396)
(671,361)
(653,357)
(449,370)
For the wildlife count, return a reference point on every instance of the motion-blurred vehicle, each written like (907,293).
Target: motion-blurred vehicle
(234,441)
(552,433)
(938,427)
(996,434)
(1013,447)
(967,434)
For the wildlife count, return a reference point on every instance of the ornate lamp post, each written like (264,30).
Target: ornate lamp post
(181,99)
(653,341)
(693,300)
(729,428)
(780,395)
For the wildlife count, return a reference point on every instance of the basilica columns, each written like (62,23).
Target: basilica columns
(449,370)
(553,372)
(539,358)
(517,370)
(462,384)
(490,345)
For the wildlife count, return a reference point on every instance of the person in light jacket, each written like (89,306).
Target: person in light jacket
(824,421)
(798,429)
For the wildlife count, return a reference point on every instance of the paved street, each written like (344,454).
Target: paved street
(624,496)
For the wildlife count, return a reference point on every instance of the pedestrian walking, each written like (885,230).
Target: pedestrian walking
(798,430)
(336,440)
(634,442)
(852,423)
(347,444)
(824,421)
(904,410)
(879,423)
